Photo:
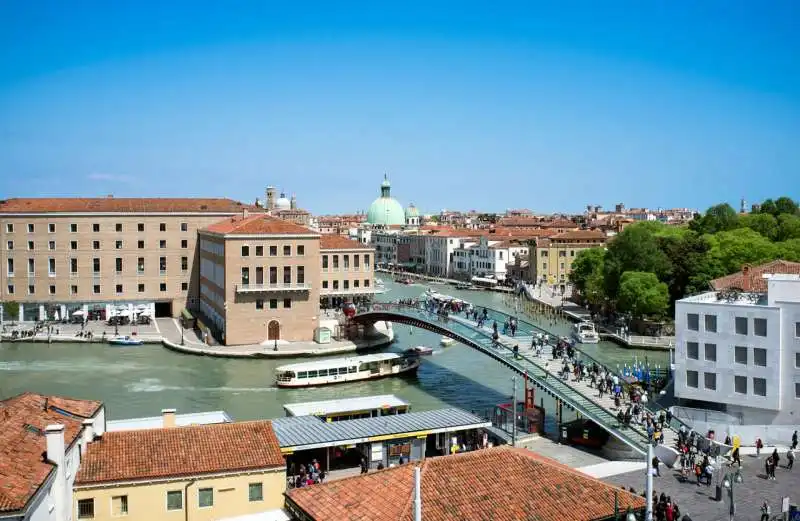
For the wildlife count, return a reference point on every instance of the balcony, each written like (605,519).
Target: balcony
(349,291)
(277,287)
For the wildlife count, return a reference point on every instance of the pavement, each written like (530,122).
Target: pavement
(698,501)
(99,329)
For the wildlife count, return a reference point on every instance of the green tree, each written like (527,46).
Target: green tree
(692,268)
(763,223)
(642,294)
(788,227)
(594,292)
(10,311)
(587,262)
(789,250)
(718,218)
(768,206)
(785,205)
(732,250)
(635,249)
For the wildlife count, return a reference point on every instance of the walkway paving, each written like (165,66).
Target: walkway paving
(99,329)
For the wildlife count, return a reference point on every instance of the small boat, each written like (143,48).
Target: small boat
(350,369)
(585,333)
(447,341)
(464,286)
(124,340)
(420,351)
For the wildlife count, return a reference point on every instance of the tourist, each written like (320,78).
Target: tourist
(794,440)
(736,458)
(364,466)
(759,446)
(769,466)
(789,459)
(655,466)
(765,511)
(776,459)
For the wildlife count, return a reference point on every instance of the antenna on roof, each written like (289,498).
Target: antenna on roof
(46,399)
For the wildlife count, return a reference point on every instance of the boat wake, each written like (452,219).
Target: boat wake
(86,367)
(154,385)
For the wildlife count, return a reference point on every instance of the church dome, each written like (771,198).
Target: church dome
(411,211)
(283,203)
(385,210)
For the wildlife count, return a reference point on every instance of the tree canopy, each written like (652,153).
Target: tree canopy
(642,294)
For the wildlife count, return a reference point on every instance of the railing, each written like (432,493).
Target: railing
(244,288)
(348,291)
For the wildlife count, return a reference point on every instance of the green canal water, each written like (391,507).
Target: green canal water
(141,381)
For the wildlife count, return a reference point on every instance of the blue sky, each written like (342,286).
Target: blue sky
(465,104)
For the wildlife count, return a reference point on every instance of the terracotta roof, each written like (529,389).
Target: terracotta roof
(120,205)
(751,278)
(180,451)
(579,235)
(23,468)
(256,224)
(501,484)
(339,242)
(560,223)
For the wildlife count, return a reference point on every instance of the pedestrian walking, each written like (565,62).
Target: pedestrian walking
(794,441)
(765,511)
(789,459)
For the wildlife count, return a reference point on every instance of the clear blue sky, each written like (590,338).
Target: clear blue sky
(466,104)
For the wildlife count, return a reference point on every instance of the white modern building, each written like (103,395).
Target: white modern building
(486,258)
(738,353)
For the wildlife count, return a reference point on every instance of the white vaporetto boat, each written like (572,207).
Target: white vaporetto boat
(341,370)
(446,341)
(585,333)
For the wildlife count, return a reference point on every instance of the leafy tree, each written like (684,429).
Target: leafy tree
(785,205)
(789,250)
(10,311)
(732,250)
(641,294)
(635,249)
(768,206)
(718,218)
(763,223)
(587,262)
(594,290)
(692,268)
(788,227)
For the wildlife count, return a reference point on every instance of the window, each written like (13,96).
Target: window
(118,264)
(562,253)
(301,275)
(95,245)
(760,357)
(335,262)
(740,355)
(693,321)
(10,267)
(273,275)
(287,303)
(162,265)
(31,289)
(335,284)
(118,245)
(711,323)
(30,245)
(760,386)
(10,245)
(346,260)
(741,325)
(366,260)
(273,251)
(692,350)
(119,504)
(710,381)
(324,262)
(346,284)
(52,289)
(10,289)
(162,227)
(95,227)
(287,250)
(140,265)
(96,265)
(287,274)
(355,261)
(51,228)
(740,384)
(255,492)
(51,245)
(711,352)
(175,500)
(184,263)
(30,228)
(118,227)
(797,329)
(259,304)
(760,326)
(797,389)
(96,289)
(324,284)
(273,303)
(51,267)
(259,251)
(245,276)
(184,286)
(301,250)
(140,288)
(73,245)
(184,227)
(31,267)
(9,228)
(366,283)
(162,287)
(162,243)
(140,227)
(73,290)
(691,379)
(245,251)
(355,283)
(184,243)
(86,508)
(140,244)
(73,228)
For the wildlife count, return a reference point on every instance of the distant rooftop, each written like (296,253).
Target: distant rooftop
(751,278)
(325,407)
(181,420)
(112,204)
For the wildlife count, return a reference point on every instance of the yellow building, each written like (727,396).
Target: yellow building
(196,473)
(554,255)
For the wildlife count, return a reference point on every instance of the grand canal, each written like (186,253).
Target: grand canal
(141,381)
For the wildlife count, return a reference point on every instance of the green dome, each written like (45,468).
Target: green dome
(385,210)
(411,211)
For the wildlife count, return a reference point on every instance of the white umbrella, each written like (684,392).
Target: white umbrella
(142,306)
(125,313)
(146,313)
(78,313)
(55,315)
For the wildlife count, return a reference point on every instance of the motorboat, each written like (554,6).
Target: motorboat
(464,286)
(420,350)
(446,341)
(585,333)
(125,340)
(349,369)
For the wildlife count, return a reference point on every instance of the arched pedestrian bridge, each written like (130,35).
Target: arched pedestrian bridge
(578,396)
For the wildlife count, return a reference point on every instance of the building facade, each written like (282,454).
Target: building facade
(65,255)
(551,259)
(347,270)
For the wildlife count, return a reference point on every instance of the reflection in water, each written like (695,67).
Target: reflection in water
(141,381)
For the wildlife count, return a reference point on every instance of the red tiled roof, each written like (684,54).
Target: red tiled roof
(257,224)
(501,484)
(180,451)
(338,242)
(120,205)
(579,234)
(560,223)
(23,468)
(751,278)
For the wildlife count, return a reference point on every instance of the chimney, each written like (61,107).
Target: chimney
(746,286)
(245,213)
(88,434)
(168,416)
(417,495)
(54,434)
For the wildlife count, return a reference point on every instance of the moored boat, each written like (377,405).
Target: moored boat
(585,333)
(447,341)
(349,369)
(420,350)
(464,286)
(124,340)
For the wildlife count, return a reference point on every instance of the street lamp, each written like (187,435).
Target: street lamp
(728,482)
